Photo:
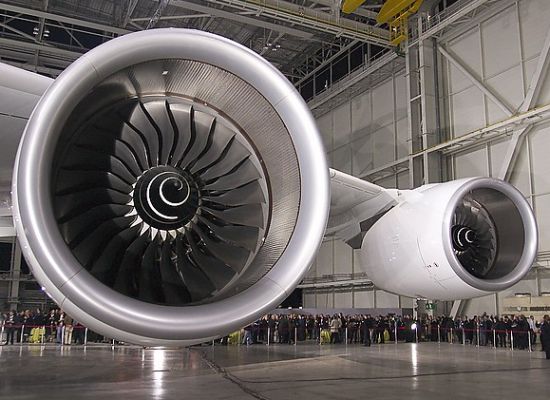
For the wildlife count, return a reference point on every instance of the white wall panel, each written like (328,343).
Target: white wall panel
(500,40)
(401,98)
(467,48)
(540,151)
(406,302)
(386,300)
(341,125)
(382,105)
(358,265)
(312,271)
(310,300)
(520,174)
(363,155)
(509,87)
(457,80)
(403,181)
(384,146)
(542,213)
(498,150)
(467,111)
(343,300)
(402,142)
(341,158)
(343,258)
(485,304)
(324,300)
(524,286)
(473,163)
(324,124)
(388,182)
(529,68)
(534,16)
(325,259)
(361,115)
(364,299)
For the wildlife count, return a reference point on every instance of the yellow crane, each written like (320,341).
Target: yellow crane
(395,13)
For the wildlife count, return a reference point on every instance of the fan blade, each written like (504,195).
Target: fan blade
(149,287)
(244,236)
(197,283)
(249,215)
(234,155)
(86,251)
(158,116)
(105,268)
(217,272)
(140,122)
(202,125)
(244,173)
(180,117)
(247,194)
(82,159)
(72,181)
(126,281)
(175,292)
(233,256)
(221,140)
(72,203)
(85,219)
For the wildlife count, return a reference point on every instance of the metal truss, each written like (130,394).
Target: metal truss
(360,80)
(311,18)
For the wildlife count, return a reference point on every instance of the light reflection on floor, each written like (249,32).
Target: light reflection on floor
(412,371)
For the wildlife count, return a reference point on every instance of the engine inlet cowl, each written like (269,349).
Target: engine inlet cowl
(170,187)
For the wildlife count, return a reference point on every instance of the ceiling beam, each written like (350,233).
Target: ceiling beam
(61,18)
(321,21)
(241,18)
(17,44)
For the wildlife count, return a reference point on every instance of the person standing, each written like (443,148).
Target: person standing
(545,336)
(335,325)
(10,328)
(68,337)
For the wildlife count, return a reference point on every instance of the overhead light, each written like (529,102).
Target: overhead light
(164,73)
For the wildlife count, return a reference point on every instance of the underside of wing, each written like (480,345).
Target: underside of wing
(355,205)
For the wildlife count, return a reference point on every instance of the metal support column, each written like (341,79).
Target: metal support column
(423,110)
(15,275)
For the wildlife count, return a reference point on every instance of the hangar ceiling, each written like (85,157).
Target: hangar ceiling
(294,35)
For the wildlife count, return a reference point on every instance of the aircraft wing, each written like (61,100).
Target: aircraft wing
(20,90)
(355,205)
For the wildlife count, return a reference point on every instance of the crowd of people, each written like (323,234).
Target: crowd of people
(34,326)
(516,331)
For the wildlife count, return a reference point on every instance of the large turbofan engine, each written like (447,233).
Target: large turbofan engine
(453,240)
(170,187)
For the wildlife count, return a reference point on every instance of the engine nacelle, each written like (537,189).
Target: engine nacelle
(453,240)
(170,187)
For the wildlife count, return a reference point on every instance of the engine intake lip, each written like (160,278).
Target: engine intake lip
(504,203)
(105,310)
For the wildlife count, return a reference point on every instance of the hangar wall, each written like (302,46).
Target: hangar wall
(484,81)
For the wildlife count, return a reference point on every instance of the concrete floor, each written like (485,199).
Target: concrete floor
(403,371)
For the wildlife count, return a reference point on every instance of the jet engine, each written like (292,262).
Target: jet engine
(453,240)
(170,187)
